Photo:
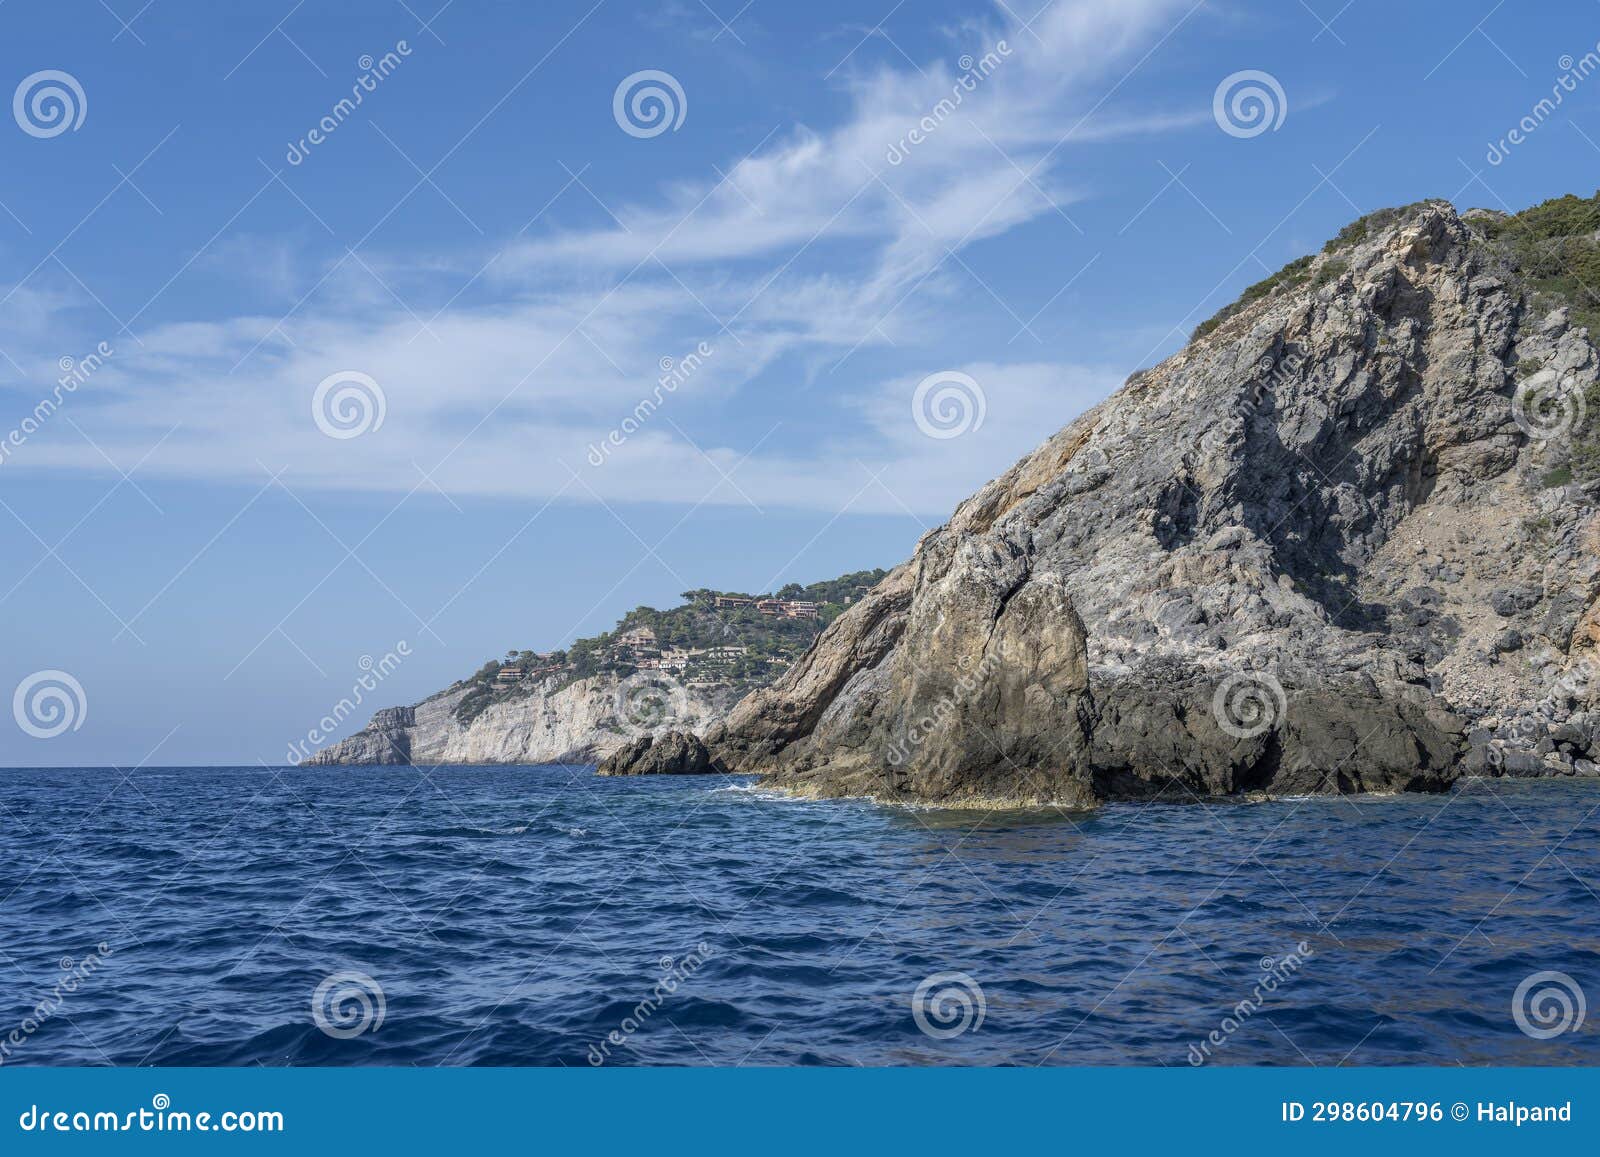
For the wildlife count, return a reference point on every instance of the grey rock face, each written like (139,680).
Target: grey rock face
(675,753)
(393,718)
(1305,554)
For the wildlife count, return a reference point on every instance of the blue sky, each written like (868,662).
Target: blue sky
(484,245)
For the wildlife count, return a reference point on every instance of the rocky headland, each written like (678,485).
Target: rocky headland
(656,672)
(552,721)
(1344,541)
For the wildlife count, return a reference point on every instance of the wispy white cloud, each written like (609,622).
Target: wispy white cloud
(991,162)
(794,258)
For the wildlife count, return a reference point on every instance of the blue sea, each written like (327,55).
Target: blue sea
(545,916)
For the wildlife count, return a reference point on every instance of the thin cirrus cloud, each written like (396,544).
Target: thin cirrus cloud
(984,169)
(806,251)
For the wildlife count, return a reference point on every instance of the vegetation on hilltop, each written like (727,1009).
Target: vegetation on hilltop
(1555,247)
(1361,228)
(1290,276)
(1308,268)
(770,642)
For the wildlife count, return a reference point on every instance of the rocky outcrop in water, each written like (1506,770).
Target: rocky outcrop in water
(1333,545)
(674,753)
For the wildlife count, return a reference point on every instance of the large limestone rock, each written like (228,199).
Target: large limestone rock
(1312,552)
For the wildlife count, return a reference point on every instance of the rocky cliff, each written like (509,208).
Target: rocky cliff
(1336,544)
(553,722)
(656,671)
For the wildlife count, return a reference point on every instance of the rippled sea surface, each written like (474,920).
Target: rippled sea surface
(523,915)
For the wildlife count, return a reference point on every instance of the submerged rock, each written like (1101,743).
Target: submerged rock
(1307,553)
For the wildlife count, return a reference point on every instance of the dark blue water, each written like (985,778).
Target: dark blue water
(518,916)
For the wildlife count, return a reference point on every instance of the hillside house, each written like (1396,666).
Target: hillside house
(789,608)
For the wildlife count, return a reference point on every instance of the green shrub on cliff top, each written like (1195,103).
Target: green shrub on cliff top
(1297,271)
(1291,275)
(1554,246)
